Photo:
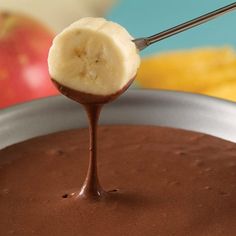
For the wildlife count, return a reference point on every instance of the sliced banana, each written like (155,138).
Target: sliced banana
(93,56)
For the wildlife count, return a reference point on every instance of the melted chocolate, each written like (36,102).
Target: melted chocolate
(91,188)
(87,98)
(169,182)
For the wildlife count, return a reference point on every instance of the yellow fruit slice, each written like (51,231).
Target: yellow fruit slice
(225,90)
(192,70)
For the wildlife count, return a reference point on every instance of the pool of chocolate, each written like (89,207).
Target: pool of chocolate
(159,181)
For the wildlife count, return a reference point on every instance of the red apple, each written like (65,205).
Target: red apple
(24,45)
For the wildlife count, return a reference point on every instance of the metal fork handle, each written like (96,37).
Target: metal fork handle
(142,43)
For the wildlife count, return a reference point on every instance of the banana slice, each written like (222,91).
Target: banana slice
(93,56)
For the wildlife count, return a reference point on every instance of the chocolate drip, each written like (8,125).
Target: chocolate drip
(91,188)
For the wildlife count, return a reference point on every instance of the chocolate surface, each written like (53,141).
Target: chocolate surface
(163,182)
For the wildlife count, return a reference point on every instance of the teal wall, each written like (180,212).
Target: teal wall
(146,17)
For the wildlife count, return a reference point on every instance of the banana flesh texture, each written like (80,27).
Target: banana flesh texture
(94,56)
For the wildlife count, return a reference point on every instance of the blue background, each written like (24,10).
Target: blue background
(144,18)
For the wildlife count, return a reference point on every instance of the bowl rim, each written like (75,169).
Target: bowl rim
(149,90)
(182,110)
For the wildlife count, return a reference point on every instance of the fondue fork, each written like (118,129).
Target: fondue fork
(142,43)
